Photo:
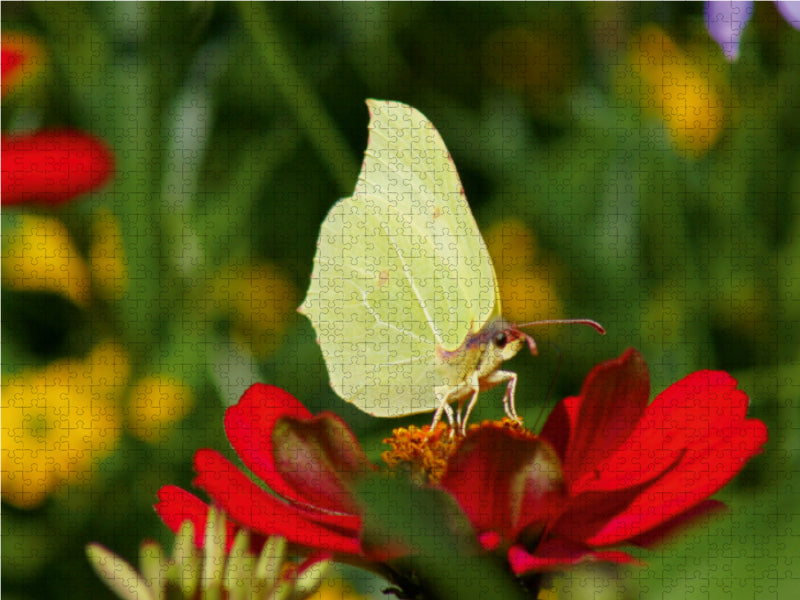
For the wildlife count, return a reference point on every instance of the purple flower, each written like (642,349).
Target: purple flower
(725,22)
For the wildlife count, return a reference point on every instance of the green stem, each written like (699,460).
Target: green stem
(299,95)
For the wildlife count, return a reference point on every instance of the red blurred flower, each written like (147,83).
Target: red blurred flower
(21,60)
(49,166)
(52,166)
(607,469)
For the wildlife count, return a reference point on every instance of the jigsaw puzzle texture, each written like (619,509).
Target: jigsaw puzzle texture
(261,339)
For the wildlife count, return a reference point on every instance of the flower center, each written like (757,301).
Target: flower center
(426,453)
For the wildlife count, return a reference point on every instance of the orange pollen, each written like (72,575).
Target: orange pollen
(427,452)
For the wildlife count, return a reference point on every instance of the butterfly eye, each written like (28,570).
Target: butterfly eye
(500,340)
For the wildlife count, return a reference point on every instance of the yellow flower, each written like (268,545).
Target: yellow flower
(57,421)
(156,403)
(526,281)
(38,254)
(679,88)
(107,260)
(260,302)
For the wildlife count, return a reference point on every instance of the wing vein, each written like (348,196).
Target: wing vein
(378,318)
(413,284)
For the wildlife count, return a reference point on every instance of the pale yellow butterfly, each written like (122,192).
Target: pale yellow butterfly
(403,294)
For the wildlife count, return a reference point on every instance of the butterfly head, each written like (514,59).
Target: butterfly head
(508,340)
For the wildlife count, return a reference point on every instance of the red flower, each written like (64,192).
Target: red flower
(607,469)
(634,472)
(52,166)
(309,461)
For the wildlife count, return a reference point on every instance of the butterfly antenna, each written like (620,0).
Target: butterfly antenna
(532,342)
(534,351)
(593,324)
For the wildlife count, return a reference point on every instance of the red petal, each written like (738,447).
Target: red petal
(504,481)
(688,411)
(249,424)
(700,474)
(703,416)
(52,166)
(177,505)
(254,508)
(320,458)
(613,399)
(556,554)
(560,424)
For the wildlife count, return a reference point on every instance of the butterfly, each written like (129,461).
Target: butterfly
(403,293)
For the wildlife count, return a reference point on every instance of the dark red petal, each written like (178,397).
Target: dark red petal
(613,399)
(697,412)
(176,505)
(556,554)
(249,424)
(587,513)
(52,166)
(254,508)
(504,481)
(320,458)
(703,416)
(560,424)
(700,473)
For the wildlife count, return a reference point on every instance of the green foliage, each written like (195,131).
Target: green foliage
(235,127)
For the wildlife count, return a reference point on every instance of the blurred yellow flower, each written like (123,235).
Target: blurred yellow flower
(38,254)
(525,279)
(680,88)
(57,421)
(156,403)
(260,302)
(109,266)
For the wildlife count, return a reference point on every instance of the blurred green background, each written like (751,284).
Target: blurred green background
(619,167)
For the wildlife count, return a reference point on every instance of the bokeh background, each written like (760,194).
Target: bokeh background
(618,165)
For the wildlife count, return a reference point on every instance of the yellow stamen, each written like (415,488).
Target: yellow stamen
(427,452)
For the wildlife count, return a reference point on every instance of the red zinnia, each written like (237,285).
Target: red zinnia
(632,472)
(308,460)
(607,469)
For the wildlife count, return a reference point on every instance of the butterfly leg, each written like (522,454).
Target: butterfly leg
(444,407)
(510,379)
(474,390)
(509,398)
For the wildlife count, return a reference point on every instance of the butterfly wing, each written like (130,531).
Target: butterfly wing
(401,270)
